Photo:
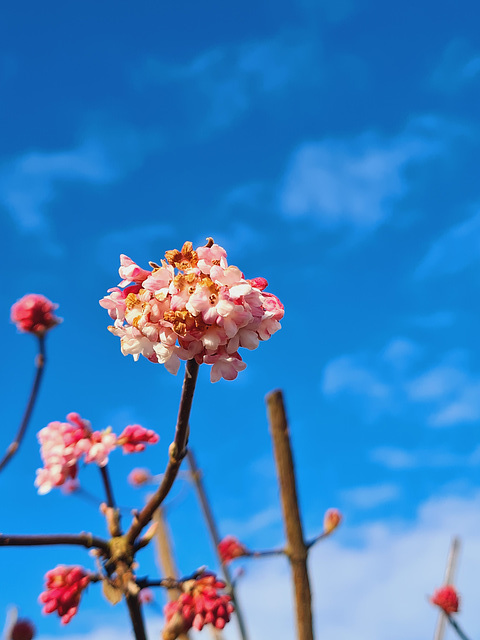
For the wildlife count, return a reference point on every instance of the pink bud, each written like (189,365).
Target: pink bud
(332,519)
(137,477)
(34,314)
(446,598)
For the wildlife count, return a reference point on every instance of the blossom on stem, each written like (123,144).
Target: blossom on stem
(199,604)
(230,548)
(34,314)
(331,520)
(134,437)
(446,598)
(138,476)
(63,444)
(192,305)
(64,587)
(23,629)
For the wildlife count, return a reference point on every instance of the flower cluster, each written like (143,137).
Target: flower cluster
(200,604)
(64,444)
(34,314)
(446,598)
(134,438)
(230,548)
(192,305)
(23,629)
(331,520)
(64,587)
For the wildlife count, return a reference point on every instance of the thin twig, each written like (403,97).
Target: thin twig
(296,549)
(196,475)
(83,540)
(108,486)
(176,452)
(40,361)
(321,536)
(456,626)
(265,553)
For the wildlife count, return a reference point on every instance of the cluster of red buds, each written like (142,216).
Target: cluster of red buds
(331,520)
(134,437)
(230,548)
(199,604)
(34,314)
(23,629)
(64,587)
(446,598)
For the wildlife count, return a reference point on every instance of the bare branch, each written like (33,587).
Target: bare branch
(40,361)
(83,540)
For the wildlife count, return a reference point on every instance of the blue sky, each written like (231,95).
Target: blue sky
(329,146)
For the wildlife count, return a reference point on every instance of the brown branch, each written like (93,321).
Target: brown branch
(83,540)
(40,366)
(196,475)
(176,453)
(296,549)
(265,553)
(135,611)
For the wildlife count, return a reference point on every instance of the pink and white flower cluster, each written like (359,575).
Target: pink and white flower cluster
(192,305)
(64,444)
(200,604)
(64,587)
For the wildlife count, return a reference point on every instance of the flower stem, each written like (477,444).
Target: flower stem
(296,549)
(176,452)
(39,365)
(196,475)
(457,628)
(108,486)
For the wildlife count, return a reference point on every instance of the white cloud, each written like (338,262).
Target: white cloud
(371,496)
(450,391)
(442,395)
(355,183)
(32,181)
(246,527)
(454,251)
(228,80)
(396,458)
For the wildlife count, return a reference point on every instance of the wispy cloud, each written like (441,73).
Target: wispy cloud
(454,250)
(397,458)
(30,183)
(355,183)
(225,82)
(443,395)
(458,68)
(371,496)
(371,380)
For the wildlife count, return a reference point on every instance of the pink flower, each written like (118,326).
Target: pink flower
(146,596)
(230,548)
(193,305)
(199,604)
(23,629)
(331,520)
(34,314)
(446,598)
(64,587)
(63,444)
(134,437)
(137,477)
